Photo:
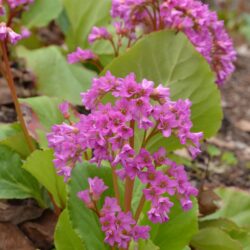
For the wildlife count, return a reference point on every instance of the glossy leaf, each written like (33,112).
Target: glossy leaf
(12,136)
(65,237)
(40,165)
(169,58)
(214,238)
(42,113)
(15,182)
(235,206)
(83,15)
(178,231)
(55,77)
(236,232)
(84,221)
(41,12)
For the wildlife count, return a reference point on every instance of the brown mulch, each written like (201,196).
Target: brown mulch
(26,226)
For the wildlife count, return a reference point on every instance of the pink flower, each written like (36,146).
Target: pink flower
(85,197)
(81,55)
(64,108)
(25,33)
(110,206)
(96,187)
(140,232)
(8,33)
(98,33)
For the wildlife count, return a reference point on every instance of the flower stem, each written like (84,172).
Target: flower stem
(116,52)
(12,88)
(140,207)
(115,184)
(56,208)
(129,183)
(129,186)
(98,65)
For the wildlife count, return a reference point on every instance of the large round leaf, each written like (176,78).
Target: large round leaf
(169,58)
(84,221)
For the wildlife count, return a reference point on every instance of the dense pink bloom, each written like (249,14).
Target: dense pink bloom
(119,227)
(133,18)
(81,55)
(109,131)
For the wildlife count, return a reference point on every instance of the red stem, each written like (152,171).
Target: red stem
(12,88)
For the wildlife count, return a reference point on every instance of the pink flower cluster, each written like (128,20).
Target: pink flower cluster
(92,195)
(9,34)
(16,3)
(202,27)
(109,133)
(107,130)
(119,227)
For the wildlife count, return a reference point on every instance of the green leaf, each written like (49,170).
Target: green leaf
(55,77)
(143,245)
(40,165)
(12,136)
(178,231)
(213,150)
(229,158)
(41,12)
(84,221)
(235,206)
(15,182)
(214,238)
(170,59)
(232,229)
(83,15)
(65,237)
(43,114)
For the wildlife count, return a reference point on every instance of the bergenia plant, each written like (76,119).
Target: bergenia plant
(109,133)
(132,19)
(117,157)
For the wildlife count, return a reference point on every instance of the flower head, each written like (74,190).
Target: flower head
(9,34)
(81,55)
